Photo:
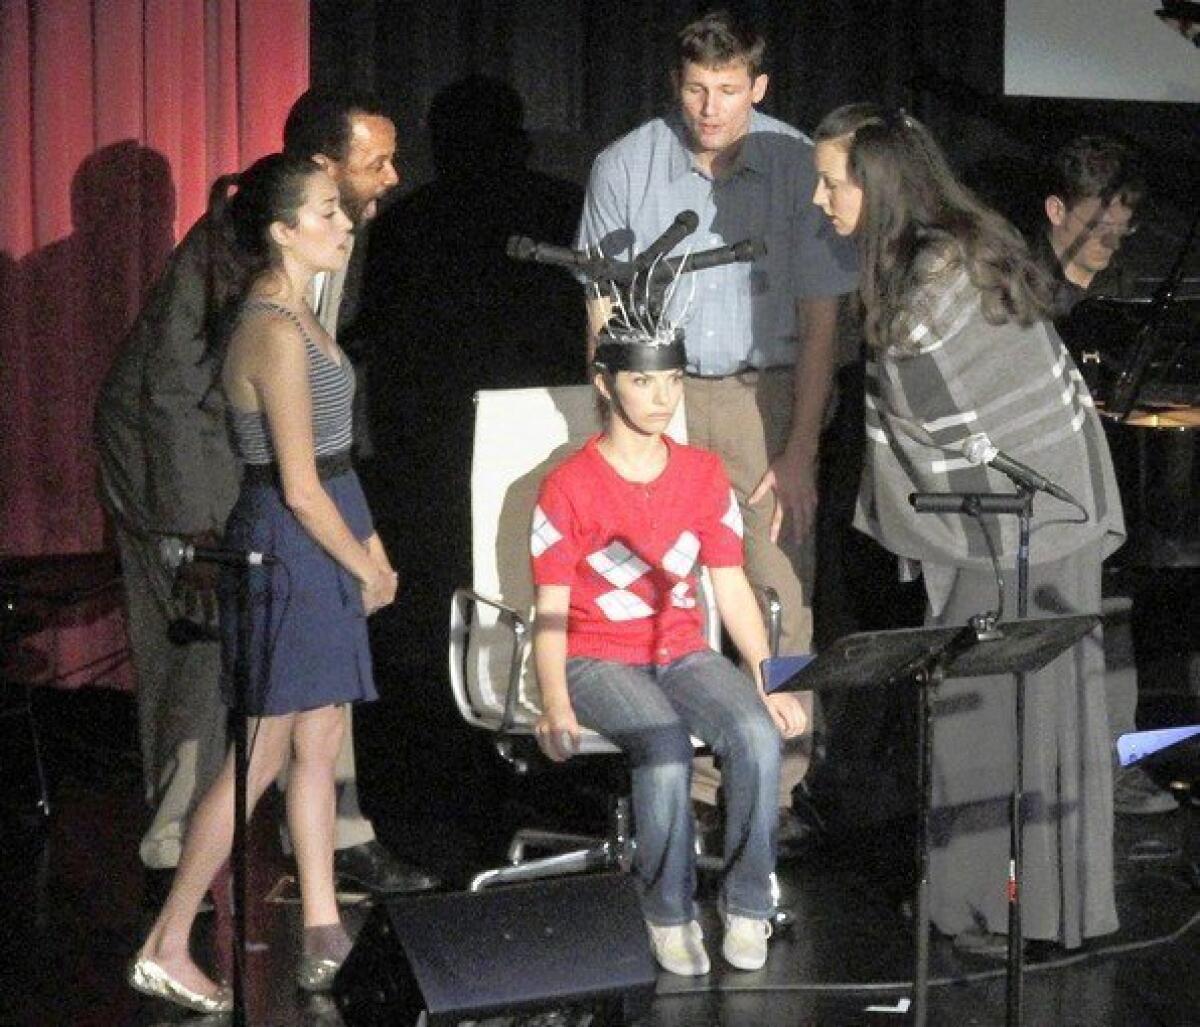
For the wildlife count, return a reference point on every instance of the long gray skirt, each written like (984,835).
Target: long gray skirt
(1067,881)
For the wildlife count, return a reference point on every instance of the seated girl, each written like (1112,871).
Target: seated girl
(619,534)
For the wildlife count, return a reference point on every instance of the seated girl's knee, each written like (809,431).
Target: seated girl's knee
(673,778)
(758,738)
(659,745)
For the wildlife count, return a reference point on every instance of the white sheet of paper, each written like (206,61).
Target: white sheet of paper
(901,1006)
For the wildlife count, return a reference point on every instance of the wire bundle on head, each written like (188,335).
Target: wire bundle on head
(640,334)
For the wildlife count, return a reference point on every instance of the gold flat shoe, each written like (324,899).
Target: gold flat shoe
(315,974)
(149,978)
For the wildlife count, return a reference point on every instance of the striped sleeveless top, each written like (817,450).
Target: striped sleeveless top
(332,389)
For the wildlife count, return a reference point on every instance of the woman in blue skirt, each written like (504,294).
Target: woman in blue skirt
(289,390)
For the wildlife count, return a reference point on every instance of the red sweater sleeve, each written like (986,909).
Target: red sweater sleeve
(553,537)
(720,525)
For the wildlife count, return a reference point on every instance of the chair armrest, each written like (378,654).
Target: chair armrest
(460,604)
(774,618)
(712,620)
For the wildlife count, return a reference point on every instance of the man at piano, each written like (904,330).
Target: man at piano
(1093,190)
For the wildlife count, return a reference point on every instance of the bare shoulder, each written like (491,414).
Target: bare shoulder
(265,337)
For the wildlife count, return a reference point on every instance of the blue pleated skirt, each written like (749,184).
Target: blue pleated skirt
(308,630)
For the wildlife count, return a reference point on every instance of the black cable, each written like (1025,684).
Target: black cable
(844,987)
(991,546)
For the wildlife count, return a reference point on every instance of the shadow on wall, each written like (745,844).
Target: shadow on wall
(446,313)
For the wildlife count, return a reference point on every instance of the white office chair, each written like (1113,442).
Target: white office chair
(520,434)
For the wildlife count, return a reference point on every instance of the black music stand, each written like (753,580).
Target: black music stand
(34,592)
(926,656)
(1175,750)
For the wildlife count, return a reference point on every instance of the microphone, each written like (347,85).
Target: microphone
(521,247)
(745,252)
(965,502)
(685,224)
(594,266)
(175,552)
(605,269)
(978,449)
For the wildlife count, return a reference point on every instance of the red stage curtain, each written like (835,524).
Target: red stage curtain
(115,115)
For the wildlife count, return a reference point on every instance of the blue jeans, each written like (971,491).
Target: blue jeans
(650,712)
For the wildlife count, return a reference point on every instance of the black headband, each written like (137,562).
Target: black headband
(614,356)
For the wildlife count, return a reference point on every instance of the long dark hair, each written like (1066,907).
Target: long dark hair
(239,245)
(918,218)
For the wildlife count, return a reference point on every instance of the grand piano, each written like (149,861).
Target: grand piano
(1153,440)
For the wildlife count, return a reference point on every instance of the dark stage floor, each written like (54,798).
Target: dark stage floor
(74,909)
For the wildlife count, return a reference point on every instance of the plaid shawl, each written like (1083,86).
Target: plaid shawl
(958,376)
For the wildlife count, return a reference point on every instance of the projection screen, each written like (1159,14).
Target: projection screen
(1097,49)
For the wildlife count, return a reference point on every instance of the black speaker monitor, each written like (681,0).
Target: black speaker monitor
(561,942)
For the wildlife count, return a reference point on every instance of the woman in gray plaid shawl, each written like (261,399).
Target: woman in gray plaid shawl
(956,316)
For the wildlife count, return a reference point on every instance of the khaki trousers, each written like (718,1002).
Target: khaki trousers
(745,419)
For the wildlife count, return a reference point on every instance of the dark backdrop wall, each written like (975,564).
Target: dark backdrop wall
(589,71)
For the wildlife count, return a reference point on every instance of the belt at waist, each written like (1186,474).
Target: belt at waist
(327,467)
(741,374)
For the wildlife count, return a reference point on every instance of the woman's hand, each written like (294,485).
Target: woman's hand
(557,733)
(379,590)
(787,710)
(378,554)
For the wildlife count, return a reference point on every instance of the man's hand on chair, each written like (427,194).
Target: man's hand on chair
(557,733)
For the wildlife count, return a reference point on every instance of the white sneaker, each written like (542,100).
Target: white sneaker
(745,944)
(679,949)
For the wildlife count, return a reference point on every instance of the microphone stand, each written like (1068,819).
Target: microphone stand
(241,691)
(1014,997)
(173,553)
(1021,504)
